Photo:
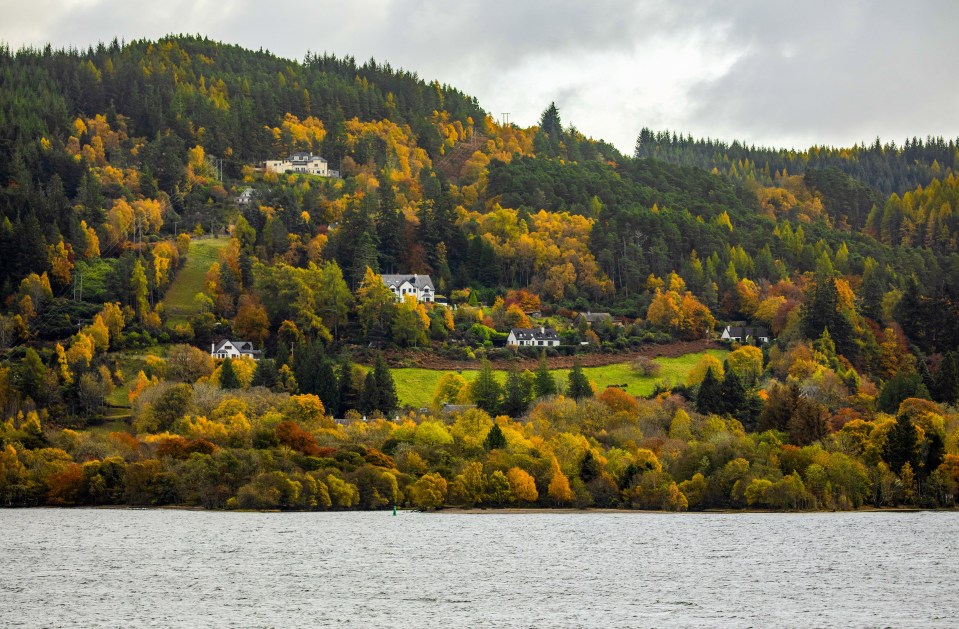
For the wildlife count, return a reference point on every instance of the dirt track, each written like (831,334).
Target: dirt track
(669,350)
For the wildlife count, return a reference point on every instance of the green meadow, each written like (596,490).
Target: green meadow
(415,386)
(178,300)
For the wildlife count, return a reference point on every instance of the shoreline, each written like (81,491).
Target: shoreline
(498,510)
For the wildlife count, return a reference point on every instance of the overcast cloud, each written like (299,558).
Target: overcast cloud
(773,73)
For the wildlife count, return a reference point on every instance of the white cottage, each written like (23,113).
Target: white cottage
(533,337)
(234,349)
(743,333)
(419,286)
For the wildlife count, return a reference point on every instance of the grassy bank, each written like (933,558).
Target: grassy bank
(178,300)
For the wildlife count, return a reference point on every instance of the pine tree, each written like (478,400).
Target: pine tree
(265,374)
(486,391)
(495,439)
(947,380)
(517,393)
(901,442)
(369,395)
(544,383)
(386,398)
(578,385)
(709,397)
(732,393)
(346,394)
(228,377)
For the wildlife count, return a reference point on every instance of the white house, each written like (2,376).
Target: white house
(533,337)
(302,163)
(742,333)
(234,349)
(246,197)
(420,286)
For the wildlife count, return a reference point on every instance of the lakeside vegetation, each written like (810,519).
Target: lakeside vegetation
(115,161)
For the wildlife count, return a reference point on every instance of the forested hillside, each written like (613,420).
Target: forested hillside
(138,227)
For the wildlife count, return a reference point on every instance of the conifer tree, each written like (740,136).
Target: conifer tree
(494,439)
(732,393)
(228,377)
(486,391)
(265,374)
(578,385)
(544,383)
(709,397)
(517,393)
(386,398)
(947,380)
(901,444)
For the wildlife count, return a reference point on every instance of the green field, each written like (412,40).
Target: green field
(415,386)
(178,300)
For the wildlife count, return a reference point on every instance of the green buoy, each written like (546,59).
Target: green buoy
(394,509)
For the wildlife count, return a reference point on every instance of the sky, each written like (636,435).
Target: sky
(766,72)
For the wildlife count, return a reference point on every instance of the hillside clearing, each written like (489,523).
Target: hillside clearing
(415,385)
(178,300)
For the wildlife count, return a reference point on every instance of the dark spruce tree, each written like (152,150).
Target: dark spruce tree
(544,383)
(709,397)
(517,393)
(495,440)
(228,377)
(386,398)
(486,390)
(578,385)
(901,444)
(265,374)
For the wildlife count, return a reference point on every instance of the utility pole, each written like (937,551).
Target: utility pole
(505,115)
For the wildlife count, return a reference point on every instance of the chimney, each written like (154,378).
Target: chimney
(212,348)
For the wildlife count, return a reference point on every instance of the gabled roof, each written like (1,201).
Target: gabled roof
(593,317)
(420,282)
(244,347)
(535,334)
(742,331)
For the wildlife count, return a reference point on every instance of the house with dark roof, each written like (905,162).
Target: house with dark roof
(594,317)
(419,286)
(533,337)
(745,333)
(234,349)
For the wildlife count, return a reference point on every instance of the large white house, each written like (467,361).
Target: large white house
(533,337)
(302,163)
(420,286)
(234,349)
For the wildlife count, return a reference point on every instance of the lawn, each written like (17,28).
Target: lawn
(189,280)
(415,386)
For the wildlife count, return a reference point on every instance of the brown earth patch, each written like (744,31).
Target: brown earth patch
(666,350)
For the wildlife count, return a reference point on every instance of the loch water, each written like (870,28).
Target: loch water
(176,568)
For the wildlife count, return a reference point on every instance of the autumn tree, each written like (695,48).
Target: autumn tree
(376,306)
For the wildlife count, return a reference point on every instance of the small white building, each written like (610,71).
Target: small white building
(533,337)
(301,162)
(745,333)
(234,349)
(420,286)
(245,197)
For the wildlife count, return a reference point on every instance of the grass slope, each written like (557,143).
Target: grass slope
(178,300)
(415,386)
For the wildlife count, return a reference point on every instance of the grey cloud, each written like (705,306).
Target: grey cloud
(809,72)
(835,73)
